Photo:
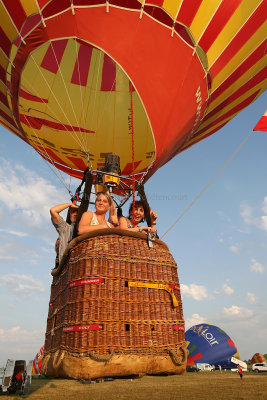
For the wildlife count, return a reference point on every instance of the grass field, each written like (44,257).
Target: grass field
(201,385)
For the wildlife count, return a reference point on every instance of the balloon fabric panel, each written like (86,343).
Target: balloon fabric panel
(65,75)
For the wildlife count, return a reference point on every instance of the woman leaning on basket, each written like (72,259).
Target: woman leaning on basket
(139,216)
(92,221)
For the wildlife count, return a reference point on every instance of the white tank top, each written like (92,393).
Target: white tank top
(95,221)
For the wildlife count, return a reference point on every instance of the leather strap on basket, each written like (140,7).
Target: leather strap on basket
(102,357)
(175,358)
(168,288)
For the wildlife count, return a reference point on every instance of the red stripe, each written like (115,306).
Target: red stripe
(3,99)
(5,42)
(204,136)
(108,75)
(16,12)
(82,65)
(47,152)
(55,6)
(186,13)
(178,328)
(230,342)
(176,287)
(2,74)
(218,22)
(80,328)
(41,3)
(262,124)
(85,282)
(54,54)
(37,123)
(7,118)
(29,96)
(67,170)
(191,359)
(78,162)
(10,129)
(156,2)
(230,113)
(30,23)
(245,33)
(128,169)
(238,93)
(244,67)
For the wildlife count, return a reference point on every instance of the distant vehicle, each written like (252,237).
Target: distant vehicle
(192,368)
(204,367)
(259,367)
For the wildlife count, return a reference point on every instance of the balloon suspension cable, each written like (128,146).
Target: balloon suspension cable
(76,196)
(206,187)
(89,163)
(132,128)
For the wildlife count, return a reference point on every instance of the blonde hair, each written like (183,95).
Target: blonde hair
(107,195)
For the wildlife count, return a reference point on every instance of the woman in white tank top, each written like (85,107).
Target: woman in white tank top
(91,221)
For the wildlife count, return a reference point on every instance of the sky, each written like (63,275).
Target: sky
(220,244)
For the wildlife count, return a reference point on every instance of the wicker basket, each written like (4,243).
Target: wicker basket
(115,309)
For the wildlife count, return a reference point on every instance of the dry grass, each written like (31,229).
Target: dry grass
(201,385)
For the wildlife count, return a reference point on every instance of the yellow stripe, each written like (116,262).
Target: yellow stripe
(3,88)
(203,16)
(237,20)
(239,57)
(6,110)
(172,6)
(7,24)
(30,7)
(9,127)
(233,104)
(156,286)
(238,83)
(3,60)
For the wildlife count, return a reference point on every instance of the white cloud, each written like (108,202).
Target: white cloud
(237,312)
(259,221)
(195,319)
(251,298)
(264,205)
(247,214)
(23,284)
(256,267)
(197,292)
(27,195)
(15,233)
(19,343)
(234,248)
(227,289)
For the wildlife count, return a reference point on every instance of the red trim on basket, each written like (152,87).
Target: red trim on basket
(86,282)
(77,328)
(176,287)
(178,328)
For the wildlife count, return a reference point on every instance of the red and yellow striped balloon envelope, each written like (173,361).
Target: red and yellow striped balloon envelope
(82,78)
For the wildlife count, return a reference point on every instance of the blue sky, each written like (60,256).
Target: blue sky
(220,244)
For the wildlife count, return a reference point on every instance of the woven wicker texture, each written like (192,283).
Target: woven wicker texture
(107,298)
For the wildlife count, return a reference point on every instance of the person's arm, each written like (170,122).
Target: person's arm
(123,224)
(113,219)
(154,217)
(84,225)
(54,211)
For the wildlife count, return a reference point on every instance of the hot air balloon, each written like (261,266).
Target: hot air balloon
(37,362)
(109,91)
(257,358)
(210,344)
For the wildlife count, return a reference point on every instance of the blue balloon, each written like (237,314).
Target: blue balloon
(210,344)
